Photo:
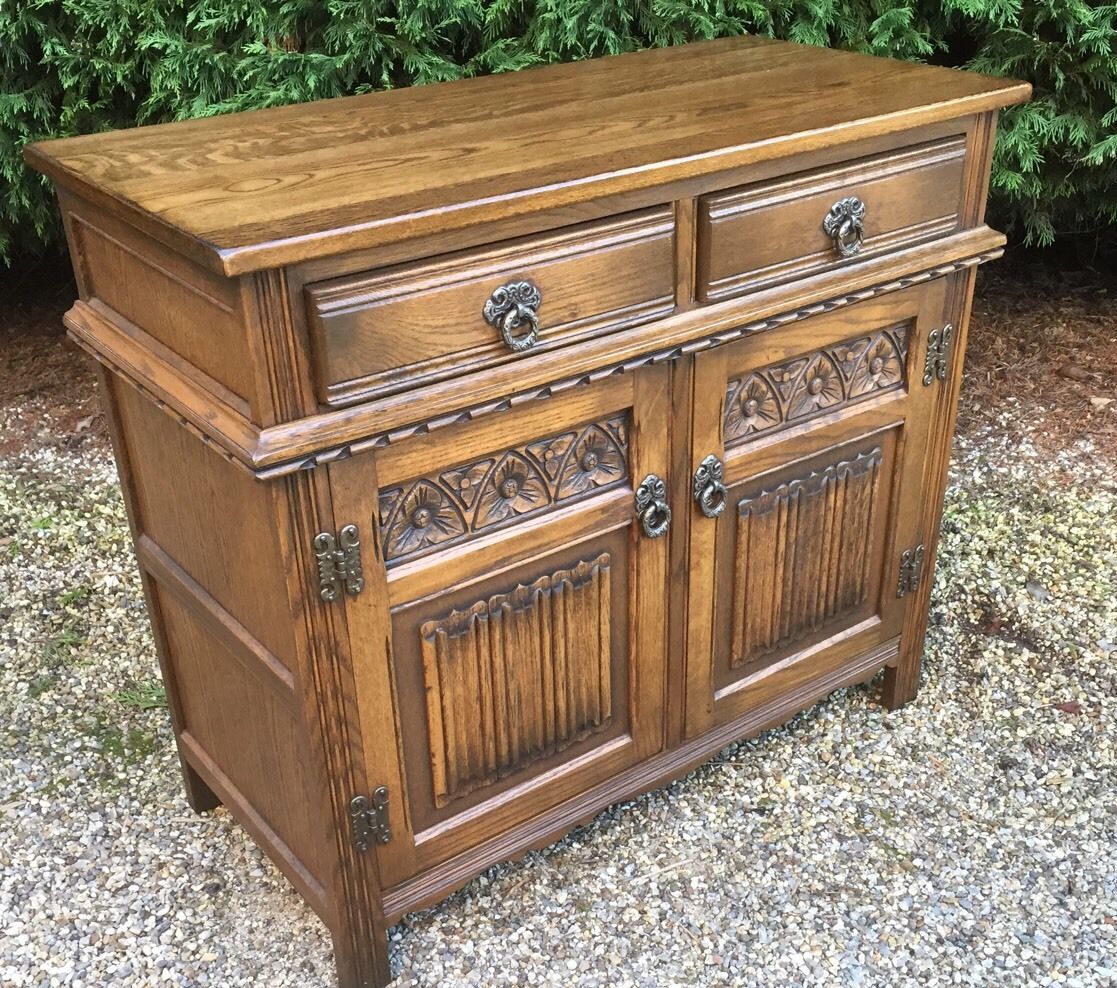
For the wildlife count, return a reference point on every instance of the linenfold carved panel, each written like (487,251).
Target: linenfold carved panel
(803,555)
(783,394)
(445,506)
(517,678)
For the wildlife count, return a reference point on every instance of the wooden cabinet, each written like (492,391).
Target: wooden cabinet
(496,451)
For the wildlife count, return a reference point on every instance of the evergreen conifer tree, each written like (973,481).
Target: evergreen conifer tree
(85,65)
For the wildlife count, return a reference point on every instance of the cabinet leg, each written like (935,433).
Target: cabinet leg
(201,798)
(901,681)
(362,960)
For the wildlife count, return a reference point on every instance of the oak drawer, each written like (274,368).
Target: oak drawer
(379,332)
(759,235)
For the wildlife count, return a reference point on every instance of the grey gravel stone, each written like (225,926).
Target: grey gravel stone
(968,839)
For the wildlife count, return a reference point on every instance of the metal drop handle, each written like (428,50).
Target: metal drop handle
(513,307)
(710,493)
(845,225)
(652,507)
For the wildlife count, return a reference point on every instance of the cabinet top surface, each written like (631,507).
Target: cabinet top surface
(272,187)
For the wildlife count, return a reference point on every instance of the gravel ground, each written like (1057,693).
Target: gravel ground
(967,839)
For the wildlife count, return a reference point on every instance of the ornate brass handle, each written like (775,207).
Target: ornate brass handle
(709,490)
(512,307)
(845,225)
(652,507)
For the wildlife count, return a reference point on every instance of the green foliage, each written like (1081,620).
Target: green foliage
(75,66)
(1055,164)
(151,695)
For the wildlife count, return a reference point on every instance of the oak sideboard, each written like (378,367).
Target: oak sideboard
(500,449)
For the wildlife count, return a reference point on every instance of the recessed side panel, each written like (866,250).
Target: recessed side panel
(186,315)
(211,518)
(243,736)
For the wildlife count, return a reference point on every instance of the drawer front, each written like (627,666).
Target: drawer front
(762,235)
(377,333)
(822,429)
(519,611)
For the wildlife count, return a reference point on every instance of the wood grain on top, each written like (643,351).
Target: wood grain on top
(261,189)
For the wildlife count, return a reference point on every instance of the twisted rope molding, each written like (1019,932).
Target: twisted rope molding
(380,440)
(120,373)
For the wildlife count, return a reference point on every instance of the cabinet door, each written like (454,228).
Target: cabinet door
(512,632)
(822,426)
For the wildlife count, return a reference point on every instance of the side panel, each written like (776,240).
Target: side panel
(185,314)
(208,543)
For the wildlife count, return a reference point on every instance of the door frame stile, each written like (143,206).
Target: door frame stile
(354,490)
(303,508)
(651,408)
(706,432)
(901,679)
(682,377)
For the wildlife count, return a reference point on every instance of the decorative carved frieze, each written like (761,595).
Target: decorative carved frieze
(517,678)
(443,507)
(803,556)
(781,394)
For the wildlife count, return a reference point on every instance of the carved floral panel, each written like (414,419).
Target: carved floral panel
(825,380)
(517,678)
(803,556)
(442,507)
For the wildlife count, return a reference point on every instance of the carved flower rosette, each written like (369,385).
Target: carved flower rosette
(827,379)
(443,508)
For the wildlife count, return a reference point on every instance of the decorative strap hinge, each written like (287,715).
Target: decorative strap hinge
(339,563)
(911,570)
(369,816)
(938,355)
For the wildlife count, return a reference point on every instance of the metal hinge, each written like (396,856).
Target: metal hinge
(911,569)
(339,563)
(938,355)
(369,816)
